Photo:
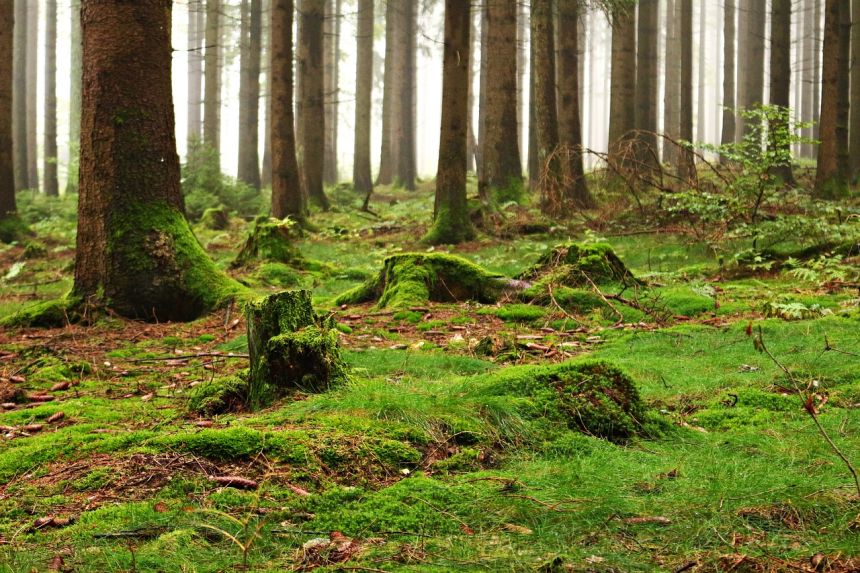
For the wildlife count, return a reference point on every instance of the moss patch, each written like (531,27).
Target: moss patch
(271,240)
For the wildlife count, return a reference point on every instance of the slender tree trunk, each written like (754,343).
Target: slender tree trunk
(751,93)
(32,89)
(212,83)
(647,83)
(471,140)
(817,86)
(482,94)
(672,97)
(7,167)
(386,167)
(569,124)
(809,85)
(728,134)
(502,175)
(843,105)
(854,129)
(196,16)
(249,92)
(622,99)
(701,114)
(829,180)
(361,174)
(686,164)
(19,99)
(313,99)
(522,67)
(135,250)
(780,77)
(287,197)
(546,106)
(75,73)
(404,142)
(533,162)
(52,185)
(451,213)
(266,171)
(331,39)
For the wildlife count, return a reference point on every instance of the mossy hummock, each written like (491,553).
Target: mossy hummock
(215,218)
(575,264)
(271,240)
(291,347)
(413,279)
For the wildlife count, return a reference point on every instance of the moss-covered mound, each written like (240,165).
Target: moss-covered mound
(413,279)
(52,313)
(215,218)
(574,264)
(271,240)
(221,395)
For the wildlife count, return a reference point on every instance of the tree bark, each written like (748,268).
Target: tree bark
(19,98)
(780,77)
(817,86)
(672,96)
(502,175)
(249,92)
(622,99)
(471,140)
(647,82)
(7,167)
(404,139)
(135,250)
(854,129)
(451,213)
(196,28)
(728,132)
(532,158)
(287,197)
(686,163)
(312,87)
(32,89)
(751,89)
(701,81)
(386,167)
(331,55)
(212,80)
(829,180)
(575,188)
(843,104)
(75,72)
(361,171)
(482,93)
(546,106)
(266,170)
(52,185)
(522,67)
(809,49)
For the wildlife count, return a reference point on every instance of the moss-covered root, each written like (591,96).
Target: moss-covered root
(575,264)
(413,279)
(271,240)
(291,348)
(52,313)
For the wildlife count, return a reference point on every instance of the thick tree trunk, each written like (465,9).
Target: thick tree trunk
(728,133)
(19,99)
(451,222)
(52,185)
(32,89)
(751,89)
(546,107)
(7,167)
(212,79)
(135,250)
(196,27)
(502,175)
(829,181)
(361,172)
(844,91)
(532,159)
(686,163)
(780,77)
(854,129)
(672,96)
(386,164)
(647,83)
(575,188)
(251,43)
(404,139)
(331,54)
(312,85)
(287,197)
(75,72)
(622,99)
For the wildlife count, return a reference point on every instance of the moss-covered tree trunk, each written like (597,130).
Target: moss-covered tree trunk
(451,213)
(502,170)
(312,115)
(287,197)
(7,173)
(135,250)
(361,173)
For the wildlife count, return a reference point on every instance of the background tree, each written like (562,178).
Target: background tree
(751,52)
(19,99)
(331,64)
(730,16)
(196,30)
(386,167)
(622,99)
(686,163)
(829,179)
(545,102)
(809,75)
(7,167)
(76,71)
(451,223)
(251,46)
(32,98)
(854,129)
(404,140)
(212,79)
(312,86)
(135,250)
(672,80)
(647,81)
(843,101)
(361,171)
(780,77)
(52,185)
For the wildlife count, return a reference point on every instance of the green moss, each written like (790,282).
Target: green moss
(450,228)
(413,279)
(573,264)
(219,396)
(12,228)
(309,358)
(465,460)
(215,218)
(222,444)
(278,274)
(47,314)
(518,312)
(94,480)
(271,240)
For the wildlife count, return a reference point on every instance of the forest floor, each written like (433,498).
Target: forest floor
(419,463)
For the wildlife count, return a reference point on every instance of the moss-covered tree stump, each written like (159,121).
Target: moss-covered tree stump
(291,348)
(575,264)
(271,240)
(215,218)
(413,279)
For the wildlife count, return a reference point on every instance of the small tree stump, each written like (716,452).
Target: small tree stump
(290,347)
(271,240)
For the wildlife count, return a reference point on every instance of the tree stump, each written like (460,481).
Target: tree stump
(291,348)
(271,240)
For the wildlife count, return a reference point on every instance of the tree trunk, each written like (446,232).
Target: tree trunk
(752,50)
(817,86)
(647,83)
(622,100)
(404,141)
(854,129)
(135,250)
(482,93)
(546,107)
(196,28)
(52,185)
(32,89)
(19,98)
(266,170)
(471,140)
(312,84)
(809,49)
(686,163)
(829,181)
(522,67)
(451,222)
(780,79)
(287,197)
(7,167)
(361,174)
(672,97)
(331,55)
(386,167)
(532,159)
(75,72)
(212,80)
(700,83)
(575,188)
(728,133)
(502,175)
(249,92)
(843,104)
